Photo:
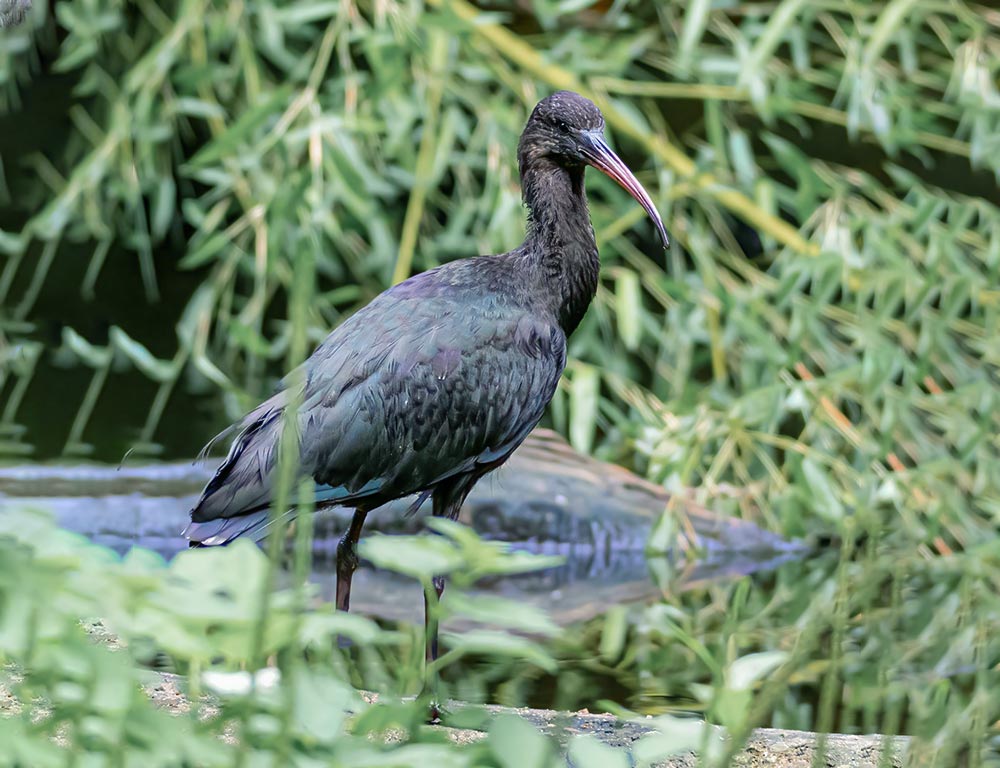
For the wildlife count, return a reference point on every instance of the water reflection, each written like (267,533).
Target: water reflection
(592,578)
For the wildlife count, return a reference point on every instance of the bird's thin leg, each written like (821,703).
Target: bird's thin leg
(448,498)
(347,559)
(430,620)
(431,647)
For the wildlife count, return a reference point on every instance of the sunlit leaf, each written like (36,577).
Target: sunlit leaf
(584,388)
(748,670)
(419,556)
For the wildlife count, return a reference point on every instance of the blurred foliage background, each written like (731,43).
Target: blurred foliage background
(186,186)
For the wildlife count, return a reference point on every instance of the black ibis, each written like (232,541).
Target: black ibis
(437,380)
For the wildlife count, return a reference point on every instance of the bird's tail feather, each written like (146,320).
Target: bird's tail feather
(247,424)
(206,449)
(213,533)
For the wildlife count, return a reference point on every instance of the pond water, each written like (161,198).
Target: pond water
(600,524)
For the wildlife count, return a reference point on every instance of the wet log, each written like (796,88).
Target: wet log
(548,495)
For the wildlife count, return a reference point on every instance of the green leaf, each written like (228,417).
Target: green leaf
(306,13)
(95,357)
(11,245)
(518,744)
(229,143)
(501,612)
(321,706)
(507,562)
(588,752)
(205,252)
(748,670)
(628,307)
(419,556)
(157,370)
(320,629)
(742,157)
(664,536)
(696,16)
(614,633)
(164,207)
(584,389)
(491,643)
(822,493)
(674,736)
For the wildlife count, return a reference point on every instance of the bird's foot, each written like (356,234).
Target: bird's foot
(436,713)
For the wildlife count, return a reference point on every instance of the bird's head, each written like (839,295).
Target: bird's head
(569,130)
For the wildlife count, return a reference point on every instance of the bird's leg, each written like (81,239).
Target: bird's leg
(448,498)
(430,620)
(347,559)
(431,645)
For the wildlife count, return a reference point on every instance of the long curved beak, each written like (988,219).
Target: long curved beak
(598,154)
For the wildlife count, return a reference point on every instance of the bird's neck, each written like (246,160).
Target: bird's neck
(560,240)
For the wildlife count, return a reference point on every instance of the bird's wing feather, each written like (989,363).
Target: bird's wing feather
(421,385)
(441,389)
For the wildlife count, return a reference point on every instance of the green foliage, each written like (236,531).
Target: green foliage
(378,139)
(201,610)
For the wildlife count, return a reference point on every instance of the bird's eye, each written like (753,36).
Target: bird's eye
(563,125)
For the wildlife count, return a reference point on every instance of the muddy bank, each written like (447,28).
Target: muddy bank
(766,748)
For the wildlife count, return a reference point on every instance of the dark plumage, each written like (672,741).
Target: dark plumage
(437,380)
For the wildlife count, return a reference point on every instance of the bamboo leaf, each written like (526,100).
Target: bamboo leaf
(584,388)
(628,307)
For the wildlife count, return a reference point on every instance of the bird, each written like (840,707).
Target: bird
(436,381)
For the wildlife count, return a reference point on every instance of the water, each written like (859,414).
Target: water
(548,500)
